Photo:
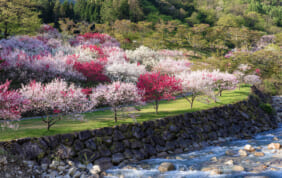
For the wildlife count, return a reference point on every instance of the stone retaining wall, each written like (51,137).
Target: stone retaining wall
(132,142)
(277,105)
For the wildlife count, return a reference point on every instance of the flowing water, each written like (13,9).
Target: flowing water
(190,164)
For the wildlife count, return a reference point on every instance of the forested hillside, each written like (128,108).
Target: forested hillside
(213,12)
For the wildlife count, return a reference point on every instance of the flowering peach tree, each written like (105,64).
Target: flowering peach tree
(57,99)
(117,95)
(12,103)
(223,81)
(194,84)
(157,87)
(252,79)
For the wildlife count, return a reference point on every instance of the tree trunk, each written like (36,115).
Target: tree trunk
(220,92)
(157,106)
(115,111)
(192,101)
(48,126)
(6,30)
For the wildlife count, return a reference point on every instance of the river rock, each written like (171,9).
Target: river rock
(164,167)
(214,159)
(104,163)
(230,162)
(61,168)
(71,163)
(44,166)
(238,168)
(54,164)
(275,139)
(72,171)
(77,174)
(275,146)
(243,153)
(230,152)
(81,166)
(259,168)
(249,148)
(259,154)
(213,171)
(178,158)
(95,169)
(117,158)
(3,160)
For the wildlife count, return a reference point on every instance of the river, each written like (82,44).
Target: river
(221,160)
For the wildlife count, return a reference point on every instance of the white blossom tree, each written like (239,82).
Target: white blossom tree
(117,95)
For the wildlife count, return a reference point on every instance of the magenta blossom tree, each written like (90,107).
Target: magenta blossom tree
(12,103)
(157,87)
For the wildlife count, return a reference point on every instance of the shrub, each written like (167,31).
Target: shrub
(266,107)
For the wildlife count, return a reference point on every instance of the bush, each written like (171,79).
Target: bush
(266,107)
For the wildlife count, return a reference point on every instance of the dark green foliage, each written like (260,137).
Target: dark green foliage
(255,14)
(266,107)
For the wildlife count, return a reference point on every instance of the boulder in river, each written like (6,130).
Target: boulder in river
(258,154)
(229,162)
(275,146)
(212,170)
(238,168)
(243,153)
(249,148)
(164,167)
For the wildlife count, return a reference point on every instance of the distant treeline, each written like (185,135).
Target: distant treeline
(256,14)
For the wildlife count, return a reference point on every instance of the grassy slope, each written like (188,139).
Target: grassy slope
(36,128)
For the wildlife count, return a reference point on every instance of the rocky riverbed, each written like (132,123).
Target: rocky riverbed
(259,156)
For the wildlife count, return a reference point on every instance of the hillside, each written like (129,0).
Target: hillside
(250,13)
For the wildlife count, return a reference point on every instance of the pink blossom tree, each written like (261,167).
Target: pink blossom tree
(56,98)
(157,87)
(117,95)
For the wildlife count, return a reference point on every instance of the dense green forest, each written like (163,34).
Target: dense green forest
(256,14)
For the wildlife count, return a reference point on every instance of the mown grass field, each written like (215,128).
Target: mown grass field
(98,119)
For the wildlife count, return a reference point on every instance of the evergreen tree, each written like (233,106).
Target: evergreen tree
(107,12)
(56,10)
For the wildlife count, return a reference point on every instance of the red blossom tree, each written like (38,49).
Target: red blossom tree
(157,87)
(93,71)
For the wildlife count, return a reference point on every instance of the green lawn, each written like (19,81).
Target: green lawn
(36,128)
